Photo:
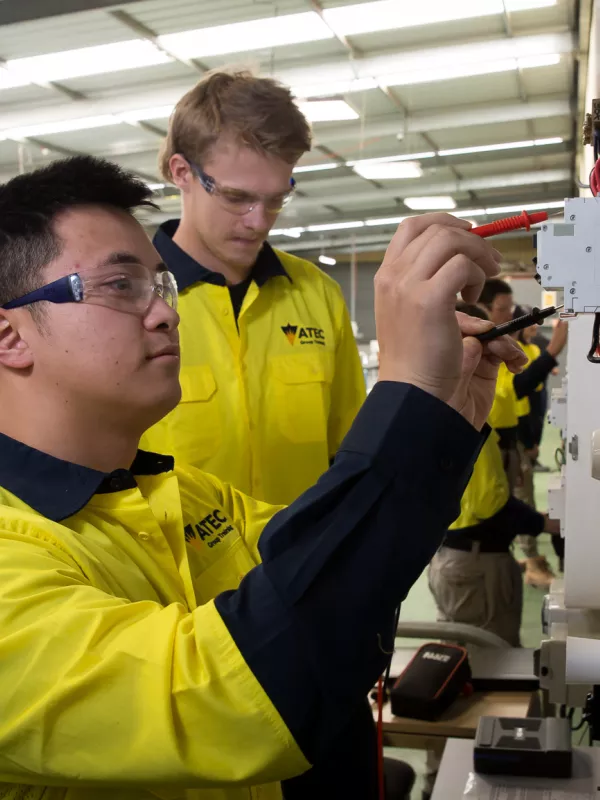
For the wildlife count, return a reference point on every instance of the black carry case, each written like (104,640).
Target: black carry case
(436,676)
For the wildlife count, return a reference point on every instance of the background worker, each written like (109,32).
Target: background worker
(474,577)
(511,403)
(162,634)
(270,370)
(531,414)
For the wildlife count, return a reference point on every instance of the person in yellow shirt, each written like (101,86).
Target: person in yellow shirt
(537,570)
(474,577)
(511,404)
(163,635)
(270,371)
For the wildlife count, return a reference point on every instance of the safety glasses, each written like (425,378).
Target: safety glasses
(124,287)
(238,202)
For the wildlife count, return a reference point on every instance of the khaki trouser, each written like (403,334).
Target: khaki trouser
(524,490)
(481,589)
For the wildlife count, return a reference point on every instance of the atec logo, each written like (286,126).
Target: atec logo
(303,335)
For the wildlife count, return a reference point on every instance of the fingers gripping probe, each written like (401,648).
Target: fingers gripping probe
(535,316)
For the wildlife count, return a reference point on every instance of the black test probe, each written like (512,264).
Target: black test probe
(535,317)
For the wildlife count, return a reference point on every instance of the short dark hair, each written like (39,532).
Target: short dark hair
(471,310)
(30,204)
(491,288)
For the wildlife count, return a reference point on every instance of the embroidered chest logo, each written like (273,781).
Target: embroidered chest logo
(214,528)
(304,336)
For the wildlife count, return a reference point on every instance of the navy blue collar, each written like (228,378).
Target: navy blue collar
(57,489)
(187,271)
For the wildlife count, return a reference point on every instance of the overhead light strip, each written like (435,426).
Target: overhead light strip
(431,154)
(461,213)
(270,32)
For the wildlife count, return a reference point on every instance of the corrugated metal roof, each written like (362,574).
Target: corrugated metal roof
(373,135)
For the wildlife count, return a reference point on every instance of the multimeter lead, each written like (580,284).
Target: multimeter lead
(534,317)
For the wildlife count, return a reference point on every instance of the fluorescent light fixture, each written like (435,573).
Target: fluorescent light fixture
(156,186)
(292,233)
(335,87)
(385,221)
(327,111)
(157,112)
(468,70)
(526,62)
(489,148)
(525,207)
(10,81)
(330,262)
(439,203)
(398,170)
(66,126)
(335,226)
(465,213)
(240,37)
(87,61)
(390,159)
(390,14)
(317,167)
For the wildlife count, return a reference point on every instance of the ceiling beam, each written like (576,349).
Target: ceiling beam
(503,181)
(468,115)
(129,21)
(12,12)
(357,238)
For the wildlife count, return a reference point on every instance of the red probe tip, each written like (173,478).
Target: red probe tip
(524,220)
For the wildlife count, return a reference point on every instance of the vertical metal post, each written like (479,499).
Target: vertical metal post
(353,282)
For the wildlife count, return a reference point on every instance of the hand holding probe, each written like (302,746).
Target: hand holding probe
(524,220)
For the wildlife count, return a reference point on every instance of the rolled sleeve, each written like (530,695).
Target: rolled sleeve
(314,622)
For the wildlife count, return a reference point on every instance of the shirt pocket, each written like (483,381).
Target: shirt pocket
(301,387)
(196,422)
(225,573)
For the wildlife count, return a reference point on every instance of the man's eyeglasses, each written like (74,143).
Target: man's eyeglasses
(123,287)
(236,201)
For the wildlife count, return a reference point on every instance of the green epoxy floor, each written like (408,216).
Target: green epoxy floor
(419,604)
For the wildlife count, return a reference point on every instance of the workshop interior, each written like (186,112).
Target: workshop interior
(488,110)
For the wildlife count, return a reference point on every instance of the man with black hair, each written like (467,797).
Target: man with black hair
(497,300)
(161,634)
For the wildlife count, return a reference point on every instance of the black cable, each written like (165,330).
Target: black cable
(583,734)
(389,666)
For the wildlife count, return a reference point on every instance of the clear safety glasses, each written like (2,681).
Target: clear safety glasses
(238,202)
(124,287)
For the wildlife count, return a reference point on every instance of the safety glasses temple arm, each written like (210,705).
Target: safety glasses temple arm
(63,290)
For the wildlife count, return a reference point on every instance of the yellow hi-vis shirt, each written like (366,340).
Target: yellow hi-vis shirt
(119,676)
(487,491)
(532,351)
(267,402)
(504,408)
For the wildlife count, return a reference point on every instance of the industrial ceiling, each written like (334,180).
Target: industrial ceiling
(467,105)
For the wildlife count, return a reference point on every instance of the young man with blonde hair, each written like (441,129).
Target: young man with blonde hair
(270,371)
